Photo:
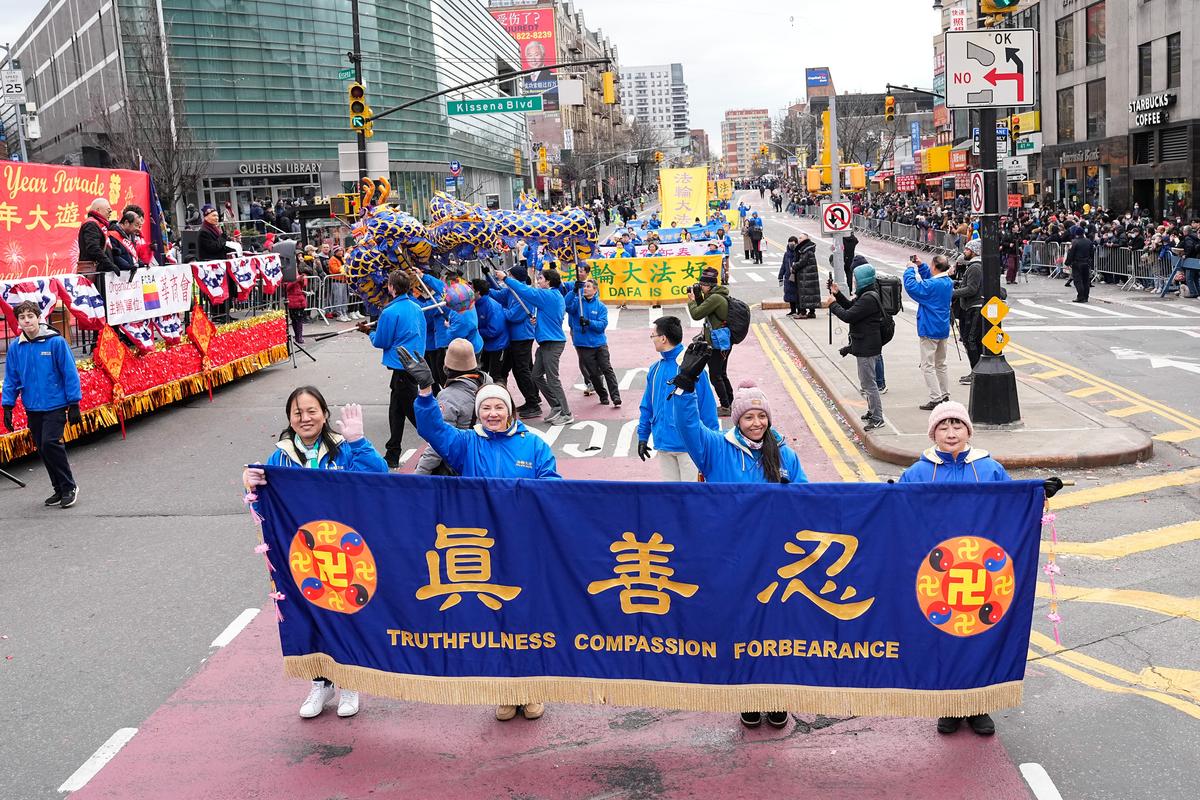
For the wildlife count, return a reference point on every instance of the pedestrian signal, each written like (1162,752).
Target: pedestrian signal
(889,108)
(358,106)
(608,84)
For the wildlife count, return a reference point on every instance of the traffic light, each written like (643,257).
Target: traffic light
(993,12)
(658,156)
(889,108)
(763,150)
(358,106)
(1014,126)
(608,83)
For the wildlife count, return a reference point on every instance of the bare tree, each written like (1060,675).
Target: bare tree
(150,123)
(861,128)
(644,140)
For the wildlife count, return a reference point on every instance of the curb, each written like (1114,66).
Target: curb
(895,455)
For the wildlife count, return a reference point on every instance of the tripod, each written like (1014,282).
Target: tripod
(12,478)
(293,345)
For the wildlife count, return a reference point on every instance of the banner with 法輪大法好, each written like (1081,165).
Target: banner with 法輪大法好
(649,280)
(684,196)
(863,599)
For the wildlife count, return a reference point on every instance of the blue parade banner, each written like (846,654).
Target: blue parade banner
(864,599)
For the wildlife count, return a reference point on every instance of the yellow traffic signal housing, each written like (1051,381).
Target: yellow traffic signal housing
(608,84)
(993,12)
(813,179)
(1014,126)
(658,156)
(358,106)
(763,150)
(857,175)
(889,108)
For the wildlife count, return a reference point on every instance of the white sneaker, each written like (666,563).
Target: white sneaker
(343,318)
(318,696)
(355,315)
(348,703)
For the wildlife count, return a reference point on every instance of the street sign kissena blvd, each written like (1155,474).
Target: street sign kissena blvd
(494,105)
(990,68)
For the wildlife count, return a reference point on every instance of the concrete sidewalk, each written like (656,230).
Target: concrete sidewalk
(1054,431)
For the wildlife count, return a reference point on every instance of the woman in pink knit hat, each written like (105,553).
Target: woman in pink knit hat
(952,459)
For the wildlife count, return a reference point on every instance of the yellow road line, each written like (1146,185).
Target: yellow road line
(1050,373)
(1087,391)
(1088,679)
(839,463)
(1165,604)
(852,452)
(1175,437)
(1129,411)
(1020,362)
(1128,394)
(1127,488)
(1130,543)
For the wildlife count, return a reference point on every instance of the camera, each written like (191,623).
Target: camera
(845,351)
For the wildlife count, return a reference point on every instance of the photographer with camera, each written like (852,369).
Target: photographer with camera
(710,302)
(968,301)
(932,289)
(864,315)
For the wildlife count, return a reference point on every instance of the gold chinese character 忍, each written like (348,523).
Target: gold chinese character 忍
(842,608)
(643,564)
(468,569)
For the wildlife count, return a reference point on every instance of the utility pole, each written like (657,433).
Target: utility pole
(356,60)
(12,64)
(835,186)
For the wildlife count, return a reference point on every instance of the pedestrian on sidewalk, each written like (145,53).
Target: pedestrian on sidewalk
(710,302)
(754,229)
(864,315)
(932,289)
(497,446)
(589,320)
(968,303)
(751,451)
(400,324)
(849,245)
(548,331)
(40,371)
(805,275)
(656,423)
(952,459)
(297,301)
(1079,261)
(787,278)
(309,442)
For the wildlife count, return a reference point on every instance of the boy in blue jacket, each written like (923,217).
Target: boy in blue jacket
(589,320)
(933,294)
(41,371)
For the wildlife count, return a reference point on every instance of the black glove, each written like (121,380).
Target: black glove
(486,269)
(579,286)
(644,450)
(697,295)
(8,423)
(416,367)
(73,415)
(583,323)
(694,359)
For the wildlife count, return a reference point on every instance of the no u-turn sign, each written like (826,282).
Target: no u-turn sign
(835,217)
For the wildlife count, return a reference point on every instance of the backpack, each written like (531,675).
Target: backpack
(887,325)
(890,295)
(737,320)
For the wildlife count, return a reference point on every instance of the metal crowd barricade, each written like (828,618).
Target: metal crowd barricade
(1055,253)
(1116,262)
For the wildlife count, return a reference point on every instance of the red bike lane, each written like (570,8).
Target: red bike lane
(232,731)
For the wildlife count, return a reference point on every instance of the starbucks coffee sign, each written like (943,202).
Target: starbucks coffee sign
(1152,109)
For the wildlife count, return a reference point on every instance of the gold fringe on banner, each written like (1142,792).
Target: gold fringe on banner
(685,696)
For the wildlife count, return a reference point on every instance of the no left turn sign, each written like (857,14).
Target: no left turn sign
(835,217)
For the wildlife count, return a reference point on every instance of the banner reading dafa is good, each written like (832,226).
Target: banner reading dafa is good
(649,280)
(842,599)
(684,195)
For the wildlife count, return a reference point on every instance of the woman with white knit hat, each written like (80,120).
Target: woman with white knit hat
(952,459)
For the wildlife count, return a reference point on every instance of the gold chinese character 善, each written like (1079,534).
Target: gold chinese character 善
(845,607)
(468,569)
(643,564)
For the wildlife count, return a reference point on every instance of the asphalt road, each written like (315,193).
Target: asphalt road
(110,606)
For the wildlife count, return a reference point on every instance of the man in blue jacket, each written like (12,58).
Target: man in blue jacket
(493,328)
(548,331)
(932,289)
(520,318)
(41,371)
(401,324)
(588,318)
(656,423)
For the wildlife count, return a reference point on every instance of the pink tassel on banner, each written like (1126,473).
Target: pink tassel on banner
(276,597)
(1051,569)
(249,499)
(262,549)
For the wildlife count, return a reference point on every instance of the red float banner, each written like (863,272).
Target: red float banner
(42,206)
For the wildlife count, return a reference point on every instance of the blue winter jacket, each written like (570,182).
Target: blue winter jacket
(465,325)
(550,310)
(41,371)
(520,328)
(532,256)
(725,457)
(596,314)
(629,250)
(756,221)
(656,423)
(401,323)
(358,456)
(479,453)
(933,296)
(493,327)
(970,466)
(654,224)
(438,289)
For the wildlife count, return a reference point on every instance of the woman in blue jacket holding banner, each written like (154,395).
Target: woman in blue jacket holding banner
(750,452)
(953,460)
(498,446)
(310,442)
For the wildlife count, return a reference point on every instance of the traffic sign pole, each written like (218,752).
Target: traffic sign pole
(356,57)
(835,189)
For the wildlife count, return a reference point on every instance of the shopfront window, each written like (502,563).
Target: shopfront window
(1174,61)
(1094,36)
(1145,60)
(1095,109)
(1064,44)
(1066,115)
(1177,193)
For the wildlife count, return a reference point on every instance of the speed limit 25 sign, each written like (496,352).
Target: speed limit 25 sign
(12,82)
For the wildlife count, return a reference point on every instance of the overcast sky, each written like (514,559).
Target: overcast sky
(741,54)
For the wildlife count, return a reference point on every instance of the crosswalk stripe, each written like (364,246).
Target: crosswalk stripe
(1190,309)
(1018,312)
(754,276)
(1027,302)
(614,316)
(1100,310)
(1152,310)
